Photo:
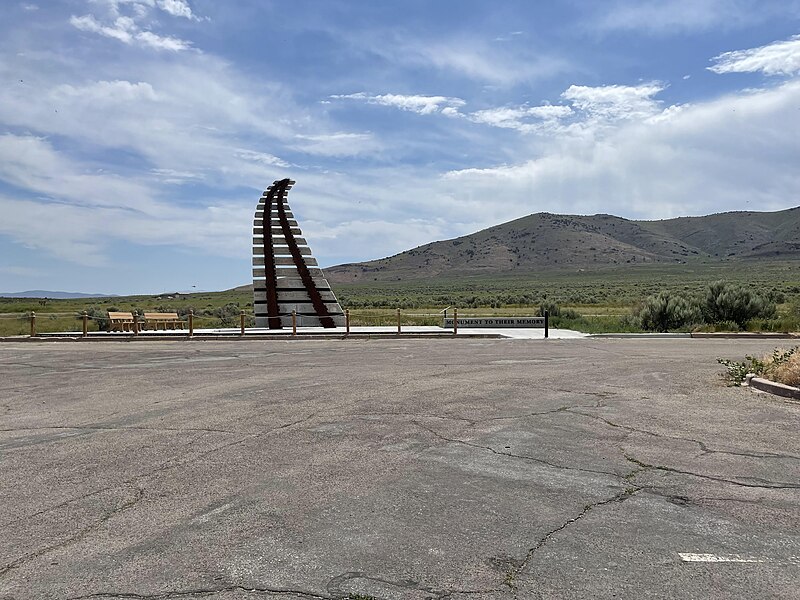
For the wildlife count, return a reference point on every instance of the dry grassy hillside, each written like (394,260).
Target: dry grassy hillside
(545,241)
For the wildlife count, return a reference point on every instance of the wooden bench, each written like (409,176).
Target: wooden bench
(163,320)
(120,321)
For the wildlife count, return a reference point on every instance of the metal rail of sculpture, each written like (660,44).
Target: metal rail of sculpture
(286,276)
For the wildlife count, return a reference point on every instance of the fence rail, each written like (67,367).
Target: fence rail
(61,322)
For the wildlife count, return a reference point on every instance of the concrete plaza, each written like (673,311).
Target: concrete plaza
(394,469)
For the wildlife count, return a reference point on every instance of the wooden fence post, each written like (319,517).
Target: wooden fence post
(33,324)
(294,322)
(347,321)
(398,321)
(85,323)
(546,324)
(241,322)
(455,321)
(191,322)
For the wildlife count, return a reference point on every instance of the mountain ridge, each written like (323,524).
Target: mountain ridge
(53,295)
(554,242)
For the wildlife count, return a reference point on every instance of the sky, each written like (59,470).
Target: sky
(136,136)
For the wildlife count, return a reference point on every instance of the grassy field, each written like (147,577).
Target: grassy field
(212,309)
(594,301)
(610,288)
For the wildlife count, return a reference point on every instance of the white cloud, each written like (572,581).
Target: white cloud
(117,31)
(32,163)
(382,237)
(177,8)
(153,40)
(519,117)
(736,152)
(176,177)
(478,59)
(163,121)
(589,107)
(677,16)
(261,158)
(615,102)
(77,211)
(107,92)
(777,58)
(423,105)
(473,55)
(127,28)
(336,144)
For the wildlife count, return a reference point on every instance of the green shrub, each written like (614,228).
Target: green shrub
(552,308)
(726,326)
(734,302)
(100,316)
(736,371)
(665,311)
(630,322)
(228,314)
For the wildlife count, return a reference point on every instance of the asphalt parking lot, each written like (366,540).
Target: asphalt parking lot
(394,469)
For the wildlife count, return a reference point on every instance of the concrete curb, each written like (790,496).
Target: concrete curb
(773,387)
(756,335)
(237,337)
(702,335)
(658,336)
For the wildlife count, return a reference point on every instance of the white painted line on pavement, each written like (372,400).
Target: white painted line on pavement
(734,558)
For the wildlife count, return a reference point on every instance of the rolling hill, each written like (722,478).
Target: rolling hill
(551,242)
(52,295)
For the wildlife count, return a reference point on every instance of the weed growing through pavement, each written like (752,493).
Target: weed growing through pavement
(782,366)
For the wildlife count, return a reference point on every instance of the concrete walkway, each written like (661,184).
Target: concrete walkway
(511,333)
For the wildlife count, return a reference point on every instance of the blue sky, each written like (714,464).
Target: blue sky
(137,135)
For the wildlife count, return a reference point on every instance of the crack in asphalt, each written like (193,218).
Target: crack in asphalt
(705,449)
(171,464)
(762,483)
(202,592)
(512,455)
(560,409)
(120,428)
(128,504)
(470,422)
(335,594)
(336,584)
(512,574)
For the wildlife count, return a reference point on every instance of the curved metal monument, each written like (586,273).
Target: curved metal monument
(286,276)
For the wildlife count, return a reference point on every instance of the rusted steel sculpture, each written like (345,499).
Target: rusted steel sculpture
(286,276)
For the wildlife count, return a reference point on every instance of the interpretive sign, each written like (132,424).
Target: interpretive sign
(520,322)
